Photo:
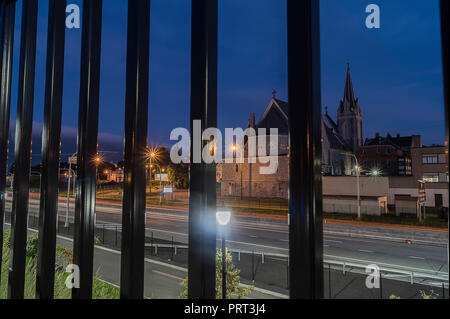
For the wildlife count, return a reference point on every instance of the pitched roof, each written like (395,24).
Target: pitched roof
(284,106)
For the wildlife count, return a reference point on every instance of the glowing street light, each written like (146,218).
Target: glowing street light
(223,218)
(375,172)
(152,153)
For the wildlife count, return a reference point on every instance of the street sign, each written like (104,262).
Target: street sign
(422,192)
(168,190)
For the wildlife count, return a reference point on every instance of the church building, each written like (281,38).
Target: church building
(340,140)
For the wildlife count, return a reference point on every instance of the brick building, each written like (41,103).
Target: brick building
(429,164)
(388,156)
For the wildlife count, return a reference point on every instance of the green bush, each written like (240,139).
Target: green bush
(234,288)
(101,289)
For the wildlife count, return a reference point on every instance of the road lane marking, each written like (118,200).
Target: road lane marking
(414,257)
(365,251)
(252,236)
(284,240)
(167,275)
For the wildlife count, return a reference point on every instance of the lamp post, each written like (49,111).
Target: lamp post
(66,223)
(160,181)
(152,155)
(358,174)
(223,218)
(234,148)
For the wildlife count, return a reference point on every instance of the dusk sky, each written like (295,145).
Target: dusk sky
(396,70)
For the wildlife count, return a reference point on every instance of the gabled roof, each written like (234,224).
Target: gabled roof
(280,106)
(284,106)
(331,129)
(330,122)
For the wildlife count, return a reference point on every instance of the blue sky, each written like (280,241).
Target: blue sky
(396,69)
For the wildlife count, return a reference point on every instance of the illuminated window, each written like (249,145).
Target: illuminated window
(431,178)
(430,159)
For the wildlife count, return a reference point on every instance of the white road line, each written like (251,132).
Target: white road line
(414,257)
(284,240)
(365,251)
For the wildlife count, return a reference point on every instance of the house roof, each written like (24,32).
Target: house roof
(331,129)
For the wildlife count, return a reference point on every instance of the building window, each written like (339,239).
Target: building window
(388,151)
(430,159)
(431,178)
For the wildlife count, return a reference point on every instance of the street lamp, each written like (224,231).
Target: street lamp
(223,218)
(71,158)
(160,181)
(234,148)
(358,174)
(151,154)
(375,172)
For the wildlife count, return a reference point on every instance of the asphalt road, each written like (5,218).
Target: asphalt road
(272,237)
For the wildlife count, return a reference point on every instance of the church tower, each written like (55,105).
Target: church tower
(350,117)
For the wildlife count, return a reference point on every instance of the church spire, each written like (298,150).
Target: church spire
(349,94)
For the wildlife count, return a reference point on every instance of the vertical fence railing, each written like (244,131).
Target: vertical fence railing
(24,126)
(7,21)
(305,204)
(445,33)
(202,190)
(136,122)
(51,136)
(83,253)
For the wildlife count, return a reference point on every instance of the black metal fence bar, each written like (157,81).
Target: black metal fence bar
(7,19)
(445,32)
(305,232)
(24,126)
(87,146)
(50,150)
(202,190)
(136,122)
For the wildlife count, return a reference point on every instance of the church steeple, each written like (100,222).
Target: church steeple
(350,115)
(349,94)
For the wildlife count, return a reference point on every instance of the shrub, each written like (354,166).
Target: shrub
(234,289)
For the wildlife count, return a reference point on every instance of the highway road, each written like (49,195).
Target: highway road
(268,237)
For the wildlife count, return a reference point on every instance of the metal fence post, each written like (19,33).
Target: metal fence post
(305,184)
(83,253)
(22,152)
(381,286)
(48,208)
(136,118)
(202,190)
(329,281)
(7,20)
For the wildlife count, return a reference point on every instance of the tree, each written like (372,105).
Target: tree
(234,288)
(178,175)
